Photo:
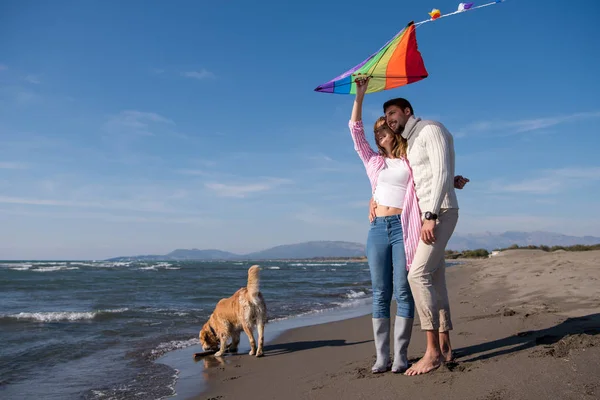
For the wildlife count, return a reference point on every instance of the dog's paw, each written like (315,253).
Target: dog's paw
(251,352)
(259,353)
(219,353)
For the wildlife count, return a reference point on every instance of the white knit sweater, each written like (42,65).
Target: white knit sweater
(431,157)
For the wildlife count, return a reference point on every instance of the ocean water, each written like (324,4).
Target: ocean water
(95,330)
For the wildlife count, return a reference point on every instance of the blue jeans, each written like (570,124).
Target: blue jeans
(387,263)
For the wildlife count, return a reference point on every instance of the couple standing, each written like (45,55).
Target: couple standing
(413,213)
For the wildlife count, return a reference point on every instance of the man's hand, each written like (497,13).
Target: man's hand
(427,235)
(460,181)
(372,207)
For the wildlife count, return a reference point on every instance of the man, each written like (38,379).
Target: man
(431,156)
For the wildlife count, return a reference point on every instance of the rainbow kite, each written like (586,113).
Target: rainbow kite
(397,63)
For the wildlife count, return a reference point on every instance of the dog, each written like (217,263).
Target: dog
(245,310)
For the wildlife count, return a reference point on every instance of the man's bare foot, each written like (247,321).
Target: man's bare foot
(428,363)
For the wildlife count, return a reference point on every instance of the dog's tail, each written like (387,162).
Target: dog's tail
(253,281)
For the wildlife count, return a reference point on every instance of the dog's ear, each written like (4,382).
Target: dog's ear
(205,335)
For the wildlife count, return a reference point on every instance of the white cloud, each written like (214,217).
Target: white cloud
(319,218)
(241,190)
(111,217)
(35,79)
(200,75)
(25,97)
(549,181)
(193,172)
(131,202)
(323,163)
(507,128)
(12,165)
(135,122)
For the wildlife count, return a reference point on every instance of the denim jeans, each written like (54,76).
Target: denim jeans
(387,263)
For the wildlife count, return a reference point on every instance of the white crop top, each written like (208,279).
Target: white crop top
(392,183)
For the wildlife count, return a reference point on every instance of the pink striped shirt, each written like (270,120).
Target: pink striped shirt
(374,163)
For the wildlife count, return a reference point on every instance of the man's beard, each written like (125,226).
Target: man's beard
(399,130)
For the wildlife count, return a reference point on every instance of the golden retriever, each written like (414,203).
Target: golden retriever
(245,310)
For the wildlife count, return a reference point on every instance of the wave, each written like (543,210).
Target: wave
(165,347)
(323,264)
(356,294)
(56,316)
(52,269)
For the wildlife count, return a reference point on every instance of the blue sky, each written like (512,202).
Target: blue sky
(139,127)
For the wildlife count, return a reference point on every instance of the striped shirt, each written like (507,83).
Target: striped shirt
(374,163)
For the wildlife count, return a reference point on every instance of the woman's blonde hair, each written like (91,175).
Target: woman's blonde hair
(399,144)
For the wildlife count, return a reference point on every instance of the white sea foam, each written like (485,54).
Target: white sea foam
(53,269)
(166,347)
(323,264)
(55,316)
(274,267)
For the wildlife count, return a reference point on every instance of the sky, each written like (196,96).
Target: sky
(140,127)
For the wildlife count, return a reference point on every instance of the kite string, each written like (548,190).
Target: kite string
(388,44)
(458,12)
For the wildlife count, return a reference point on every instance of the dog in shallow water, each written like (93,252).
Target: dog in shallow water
(245,310)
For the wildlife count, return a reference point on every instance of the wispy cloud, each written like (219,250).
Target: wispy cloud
(241,190)
(111,217)
(12,165)
(507,128)
(3,67)
(35,79)
(200,74)
(324,163)
(193,172)
(549,181)
(140,204)
(26,97)
(135,122)
(314,216)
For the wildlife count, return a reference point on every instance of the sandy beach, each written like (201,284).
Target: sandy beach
(526,326)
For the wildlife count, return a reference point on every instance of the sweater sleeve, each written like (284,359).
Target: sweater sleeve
(362,147)
(437,147)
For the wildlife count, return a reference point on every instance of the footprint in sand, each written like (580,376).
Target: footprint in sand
(495,395)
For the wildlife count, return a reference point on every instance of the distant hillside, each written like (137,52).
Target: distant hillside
(491,241)
(331,249)
(195,254)
(311,250)
(290,251)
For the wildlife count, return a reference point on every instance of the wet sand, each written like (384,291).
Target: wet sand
(526,326)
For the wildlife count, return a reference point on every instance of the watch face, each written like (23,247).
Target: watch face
(428,215)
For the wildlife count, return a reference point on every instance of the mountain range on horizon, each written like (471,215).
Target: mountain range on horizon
(342,249)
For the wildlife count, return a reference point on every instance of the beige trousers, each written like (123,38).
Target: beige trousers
(427,275)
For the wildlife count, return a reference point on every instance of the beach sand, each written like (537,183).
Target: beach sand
(526,326)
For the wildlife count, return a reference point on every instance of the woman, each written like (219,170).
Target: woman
(393,235)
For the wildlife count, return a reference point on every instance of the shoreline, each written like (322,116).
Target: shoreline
(521,320)
(188,386)
(187,383)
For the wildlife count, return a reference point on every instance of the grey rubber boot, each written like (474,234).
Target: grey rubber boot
(402,333)
(381,335)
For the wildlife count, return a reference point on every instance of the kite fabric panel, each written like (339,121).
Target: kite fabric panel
(397,63)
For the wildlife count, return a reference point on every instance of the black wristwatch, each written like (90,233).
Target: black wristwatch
(430,216)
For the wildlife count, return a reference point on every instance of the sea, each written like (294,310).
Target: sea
(101,329)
